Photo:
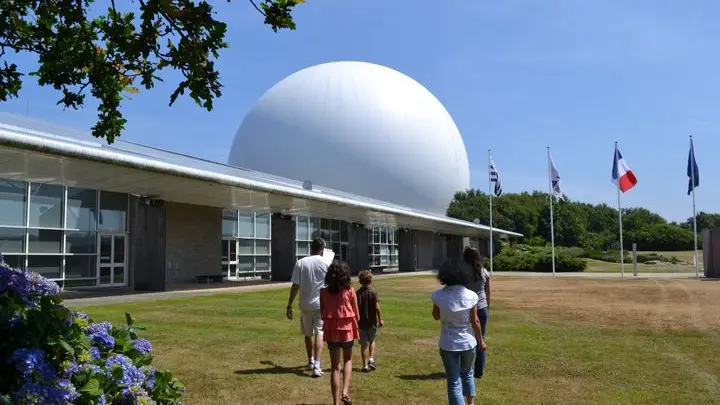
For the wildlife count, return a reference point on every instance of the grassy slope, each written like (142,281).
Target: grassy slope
(685,264)
(239,349)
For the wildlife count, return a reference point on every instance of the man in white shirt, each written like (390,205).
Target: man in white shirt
(308,278)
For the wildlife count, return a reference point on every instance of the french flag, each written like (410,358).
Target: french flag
(622,175)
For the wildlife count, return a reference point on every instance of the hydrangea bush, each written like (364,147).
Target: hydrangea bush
(52,355)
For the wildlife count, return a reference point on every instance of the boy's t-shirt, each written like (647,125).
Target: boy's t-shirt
(367,300)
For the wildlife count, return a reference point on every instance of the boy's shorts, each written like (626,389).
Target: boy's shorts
(367,335)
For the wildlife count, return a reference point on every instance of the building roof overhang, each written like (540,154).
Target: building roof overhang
(34,151)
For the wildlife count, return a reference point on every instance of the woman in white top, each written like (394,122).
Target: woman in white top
(456,308)
(480,284)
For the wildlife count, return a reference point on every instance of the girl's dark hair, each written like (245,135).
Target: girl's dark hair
(452,273)
(337,277)
(472,257)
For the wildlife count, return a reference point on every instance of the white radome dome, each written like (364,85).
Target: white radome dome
(357,127)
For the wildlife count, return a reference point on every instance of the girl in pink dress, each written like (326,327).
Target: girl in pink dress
(339,309)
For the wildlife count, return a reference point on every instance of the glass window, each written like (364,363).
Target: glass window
(46,205)
(80,266)
(303,228)
(13,201)
(246,247)
(79,242)
(46,265)
(12,240)
(113,211)
(262,247)
(247,226)
(303,249)
(344,231)
(79,283)
(81,209)
(229,223)
(225,249)
(262,226)
(262,263)
(245,264)
(314,228)
(44,241)
(14,261)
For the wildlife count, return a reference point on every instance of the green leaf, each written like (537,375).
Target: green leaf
(66,346)
(5,400)
(92,387)
(129,319)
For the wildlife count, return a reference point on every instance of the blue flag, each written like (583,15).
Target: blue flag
(693,172)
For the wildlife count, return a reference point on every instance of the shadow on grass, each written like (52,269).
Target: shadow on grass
(273,369)
(422,377)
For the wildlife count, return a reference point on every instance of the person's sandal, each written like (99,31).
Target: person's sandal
(346,400)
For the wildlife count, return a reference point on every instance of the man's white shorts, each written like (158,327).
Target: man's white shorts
(311,323)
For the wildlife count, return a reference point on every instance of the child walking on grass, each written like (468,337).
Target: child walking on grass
(370,319)
(339,309)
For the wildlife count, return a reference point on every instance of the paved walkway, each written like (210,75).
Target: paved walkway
(115,299)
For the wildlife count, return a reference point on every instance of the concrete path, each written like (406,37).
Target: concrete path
(116,299)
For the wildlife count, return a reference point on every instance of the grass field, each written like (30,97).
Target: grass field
(551,341)
(684,266)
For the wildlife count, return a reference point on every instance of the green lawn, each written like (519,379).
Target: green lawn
(550,343)
(684,266)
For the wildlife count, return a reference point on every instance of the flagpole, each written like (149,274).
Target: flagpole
(692,175)
(622,253)
(490,193)
(552,216)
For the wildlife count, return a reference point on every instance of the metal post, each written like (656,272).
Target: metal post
(634,247)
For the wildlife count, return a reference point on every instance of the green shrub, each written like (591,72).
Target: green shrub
(612,256)
(52,355)
(517,260)
(570,251)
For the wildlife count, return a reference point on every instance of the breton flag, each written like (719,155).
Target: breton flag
(555,179)
(693,172)
(495,178)
(622,175)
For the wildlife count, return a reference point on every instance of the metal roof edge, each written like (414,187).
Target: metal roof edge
(24,141)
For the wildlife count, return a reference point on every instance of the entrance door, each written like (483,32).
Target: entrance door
(112,261)
(229,257)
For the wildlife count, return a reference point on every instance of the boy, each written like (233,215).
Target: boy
(370,320)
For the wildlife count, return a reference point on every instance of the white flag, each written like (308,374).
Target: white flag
(555,179)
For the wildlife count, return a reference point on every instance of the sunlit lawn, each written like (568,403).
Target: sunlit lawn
(561,341)
(684,266)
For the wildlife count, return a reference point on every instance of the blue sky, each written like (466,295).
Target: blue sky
(516,76)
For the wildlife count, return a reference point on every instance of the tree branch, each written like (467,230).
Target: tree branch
(257,8)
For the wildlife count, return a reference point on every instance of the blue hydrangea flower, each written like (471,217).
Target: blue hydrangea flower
(130,374)
(18,283)
(40,286)
(143,346)
(135,394)
(100,334)
(71,368)
(4,277)
(29,362)
(101,400)
(94,353)
(149,373)
(67,390)
(61,393)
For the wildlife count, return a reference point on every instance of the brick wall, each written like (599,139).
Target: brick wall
(193,235)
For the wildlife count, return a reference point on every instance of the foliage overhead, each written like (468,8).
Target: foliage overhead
(115,53)
(579,224)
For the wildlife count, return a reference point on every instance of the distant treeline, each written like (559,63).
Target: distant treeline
(579,224)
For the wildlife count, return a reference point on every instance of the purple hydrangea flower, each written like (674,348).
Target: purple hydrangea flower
(4,277)
(94,353)
(61,393)
(40,286)
(30,362)
(149,373)
(143,346)
(100,334)
(130,374)
(101,400)
(136,395)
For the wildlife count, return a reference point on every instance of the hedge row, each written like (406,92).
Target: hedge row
(536,261)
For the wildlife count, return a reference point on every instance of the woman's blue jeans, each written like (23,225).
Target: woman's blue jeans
(459,372)
(483,314)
